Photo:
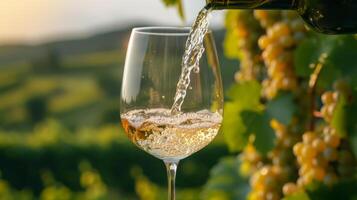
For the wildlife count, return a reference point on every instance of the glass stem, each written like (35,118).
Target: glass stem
(171,167)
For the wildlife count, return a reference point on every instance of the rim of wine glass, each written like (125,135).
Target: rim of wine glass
(162,30)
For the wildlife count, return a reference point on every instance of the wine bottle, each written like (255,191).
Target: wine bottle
(324,16)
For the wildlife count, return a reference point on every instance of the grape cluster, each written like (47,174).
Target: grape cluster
(269,38)
(250,159)
(329,100)
(248,30)
(267,18)
(323,155)
(265,184)
(282,34)
(315,155)
(267,181)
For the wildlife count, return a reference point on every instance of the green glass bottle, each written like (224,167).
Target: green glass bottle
(324,16)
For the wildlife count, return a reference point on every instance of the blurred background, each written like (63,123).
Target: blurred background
(61,64)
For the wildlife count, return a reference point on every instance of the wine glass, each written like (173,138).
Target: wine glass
(152,70)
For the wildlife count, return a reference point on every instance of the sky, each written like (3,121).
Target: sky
(36,21)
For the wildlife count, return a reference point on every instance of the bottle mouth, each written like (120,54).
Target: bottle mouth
(163,30)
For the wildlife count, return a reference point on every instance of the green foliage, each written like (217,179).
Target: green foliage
(148,190)
(282,108)
(309,52)
(258,123)
(244,96)
(247,94)
(298,196)
(36,108)
(233,127)
(100,60)
(353,140)
(341,54)
(351,121)
(226,182)
(110,84)
(107,150)
(38,97)
(92,188)
(231,40)
(339,116)
(343,190)
(8,193)
(49,61)
(244,115)
(229,46)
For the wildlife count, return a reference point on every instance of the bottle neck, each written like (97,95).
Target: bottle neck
(251,4)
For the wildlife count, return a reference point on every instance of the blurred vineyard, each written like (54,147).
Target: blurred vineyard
(52,162)
(30,94)
(60,136)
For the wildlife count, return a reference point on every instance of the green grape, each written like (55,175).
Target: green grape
(332,140)
(327,98)
(269,39)
(318,144)
(248,31)
(319,161)
(308,137)
(290,188)
(321,155)
(269,179)
(278,44)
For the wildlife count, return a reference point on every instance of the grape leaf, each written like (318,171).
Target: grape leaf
(344,54)
(345,190)
(242,96)
(233,127)
(342,190)
(341,60)
(353,140)
(308,52)
(245,93)
(258,123)
(339,116)
(226,182)
(282,108)
(231,40)
(244,115)
(230,46)
(351,121)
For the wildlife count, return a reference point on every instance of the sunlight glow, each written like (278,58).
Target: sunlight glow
(42,20)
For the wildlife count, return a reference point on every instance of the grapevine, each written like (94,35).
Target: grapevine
(324,155)
(247,30)
(308,149)
(282,34)
(268,179)
(277,45)
(251,160)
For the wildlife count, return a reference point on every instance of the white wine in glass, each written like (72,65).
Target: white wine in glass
(152,69)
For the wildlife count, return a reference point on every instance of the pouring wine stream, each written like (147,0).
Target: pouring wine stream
(191,58)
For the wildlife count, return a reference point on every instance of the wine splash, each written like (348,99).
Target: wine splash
(168,136)
(190,61)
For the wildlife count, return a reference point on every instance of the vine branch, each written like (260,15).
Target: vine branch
(312,90)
